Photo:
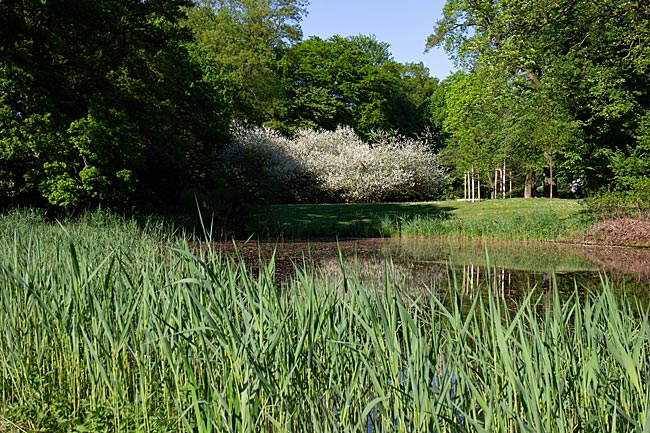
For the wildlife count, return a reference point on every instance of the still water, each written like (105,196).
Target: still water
(506,267)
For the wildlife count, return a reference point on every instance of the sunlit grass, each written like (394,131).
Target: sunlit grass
(109,326)
(498,219)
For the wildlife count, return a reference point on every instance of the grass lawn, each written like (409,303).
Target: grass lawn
(503,219)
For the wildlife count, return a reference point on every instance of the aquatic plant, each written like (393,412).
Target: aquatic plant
(114,327)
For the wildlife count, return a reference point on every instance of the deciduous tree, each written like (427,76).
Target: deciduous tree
(353,81)
(238,43)
(99,101)
(579,67)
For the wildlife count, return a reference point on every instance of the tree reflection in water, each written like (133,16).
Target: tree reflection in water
(508,269)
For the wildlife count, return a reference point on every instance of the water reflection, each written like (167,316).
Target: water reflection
(508,268)
(500,279)
(512,269)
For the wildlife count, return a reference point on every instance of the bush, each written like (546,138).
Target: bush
(335,166)
(631,198)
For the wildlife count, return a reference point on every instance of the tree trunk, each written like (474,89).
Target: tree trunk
(530,184)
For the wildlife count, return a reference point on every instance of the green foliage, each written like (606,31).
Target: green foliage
(123,104)
(353,81)
(630,194)
(490,121)
(566,78)
(473,123)
(630,199)
(633,163)
(238,43)
(100,102)
(109,327)
(102,152)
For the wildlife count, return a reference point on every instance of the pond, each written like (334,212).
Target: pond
(509,268)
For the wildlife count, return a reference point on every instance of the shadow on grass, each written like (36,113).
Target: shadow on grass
(347,220)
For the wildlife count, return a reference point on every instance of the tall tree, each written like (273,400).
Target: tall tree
(586,60)
(475,122)
(353,81)
(99,101)
(238,43)
(416,110)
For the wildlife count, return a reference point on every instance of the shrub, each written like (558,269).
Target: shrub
(336,166)
(629,199)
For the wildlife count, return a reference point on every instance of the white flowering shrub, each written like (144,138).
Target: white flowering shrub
(338,166)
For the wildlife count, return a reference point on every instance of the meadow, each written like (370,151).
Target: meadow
(122,325)
(539,219)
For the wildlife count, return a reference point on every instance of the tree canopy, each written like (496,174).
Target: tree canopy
(569,77)
(127,102)
(100,102)
(238,43)
(353,81)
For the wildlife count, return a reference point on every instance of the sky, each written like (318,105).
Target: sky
(404,24)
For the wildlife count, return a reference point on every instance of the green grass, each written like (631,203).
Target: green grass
(110,325)
(542,219)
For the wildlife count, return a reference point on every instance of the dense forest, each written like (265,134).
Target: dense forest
(131,104)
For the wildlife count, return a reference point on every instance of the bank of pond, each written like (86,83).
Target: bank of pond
(109,326)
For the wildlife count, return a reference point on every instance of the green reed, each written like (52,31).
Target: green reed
(113,325)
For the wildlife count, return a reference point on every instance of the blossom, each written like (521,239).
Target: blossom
(342,166)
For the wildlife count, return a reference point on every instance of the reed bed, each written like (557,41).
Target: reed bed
(118,327)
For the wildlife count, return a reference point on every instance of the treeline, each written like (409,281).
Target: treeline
(130,103)
(558,86)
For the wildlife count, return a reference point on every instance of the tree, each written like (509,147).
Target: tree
(585,62)
(475,123)
(542,137)
(352,81)
(238,42)
(494,120)
(99,102)
(416,108)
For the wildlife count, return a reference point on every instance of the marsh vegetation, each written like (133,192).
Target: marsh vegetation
(114,325)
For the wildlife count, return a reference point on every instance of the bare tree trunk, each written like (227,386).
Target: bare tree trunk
(530,184)
(550,169)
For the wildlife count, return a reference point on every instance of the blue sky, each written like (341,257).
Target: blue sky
(404,24)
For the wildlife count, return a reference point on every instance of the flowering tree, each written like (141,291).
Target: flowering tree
(338,166)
